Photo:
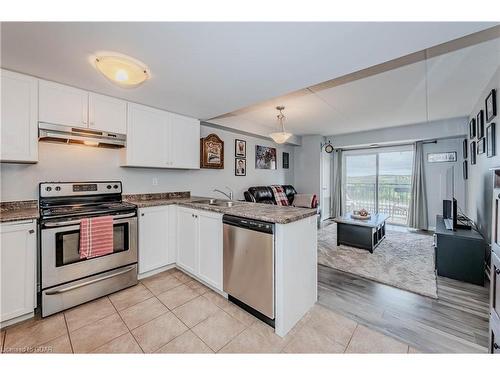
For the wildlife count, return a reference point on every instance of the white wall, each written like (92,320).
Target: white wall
(75,163)
(435,178)
(408,133)
(307,170)
(480,182)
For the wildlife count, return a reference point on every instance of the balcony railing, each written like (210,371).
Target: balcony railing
(393,199)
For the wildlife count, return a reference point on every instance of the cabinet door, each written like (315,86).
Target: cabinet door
(17,262)
(63,105)
(185,142)
(107,114)
(210,248)
(19,121)
(147,130)
(172,233)
(187,239)
(495,284)
(153,238)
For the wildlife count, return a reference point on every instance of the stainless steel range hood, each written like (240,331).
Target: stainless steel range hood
(67,134)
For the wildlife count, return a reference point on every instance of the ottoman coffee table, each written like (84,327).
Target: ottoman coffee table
(364,234)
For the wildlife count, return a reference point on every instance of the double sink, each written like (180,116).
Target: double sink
(216,202)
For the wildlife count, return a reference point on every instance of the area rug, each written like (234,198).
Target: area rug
(404,259)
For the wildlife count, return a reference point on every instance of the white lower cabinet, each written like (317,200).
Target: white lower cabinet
(18,269)
(199,244)
(156,246)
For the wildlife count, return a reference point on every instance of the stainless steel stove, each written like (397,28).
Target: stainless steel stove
(66,279)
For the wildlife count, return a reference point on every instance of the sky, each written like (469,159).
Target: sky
(390,163)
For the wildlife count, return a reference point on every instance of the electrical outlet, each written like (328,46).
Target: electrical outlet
(155,181)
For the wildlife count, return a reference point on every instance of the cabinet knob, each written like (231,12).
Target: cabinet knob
(497,271)
(142,214)
(496,346)
(31,231)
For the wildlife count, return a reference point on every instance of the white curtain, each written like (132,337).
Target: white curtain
(337,184)
(417,213)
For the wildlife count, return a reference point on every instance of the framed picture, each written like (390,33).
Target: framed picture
(490,141)
(240,148)
(472,153)
(481,146)
(472,128)
(441,157)
(212,152)
(240,167)
(465,170)
(286,160)
(265,157)
(465,149)
(491,105)
(480,124)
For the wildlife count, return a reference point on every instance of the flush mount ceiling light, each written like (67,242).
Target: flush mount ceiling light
(122,70)
(282,136)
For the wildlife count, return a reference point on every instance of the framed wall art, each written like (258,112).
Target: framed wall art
(240,167)
(472,150)
(240,148)
(286,160)
(441,157)
(472,128)
(481,146)
(465,170)
(490,140)
(265,157)
(491,105)
(480,124)
(465,148)
(212,152)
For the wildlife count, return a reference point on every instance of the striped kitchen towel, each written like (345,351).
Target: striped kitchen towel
(96,236)
(279,195)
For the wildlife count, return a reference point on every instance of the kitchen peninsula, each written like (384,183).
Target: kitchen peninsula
(187,232)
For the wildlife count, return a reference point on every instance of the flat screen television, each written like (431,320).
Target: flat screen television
(450,206)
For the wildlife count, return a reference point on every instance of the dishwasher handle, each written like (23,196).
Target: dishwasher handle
(250,224)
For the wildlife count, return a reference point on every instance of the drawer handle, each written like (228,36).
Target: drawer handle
(497,271)
(31,231)
(496,346)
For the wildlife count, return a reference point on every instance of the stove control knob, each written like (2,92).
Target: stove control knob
(48,188)
(58,188)
(108,187)
(115,187)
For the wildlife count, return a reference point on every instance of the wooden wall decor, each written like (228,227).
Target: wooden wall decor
(212,152)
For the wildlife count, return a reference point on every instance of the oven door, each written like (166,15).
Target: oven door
(60,250)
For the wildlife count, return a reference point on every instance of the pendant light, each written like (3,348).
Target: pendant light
(281,136)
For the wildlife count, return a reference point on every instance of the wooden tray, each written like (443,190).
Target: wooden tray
(359,217)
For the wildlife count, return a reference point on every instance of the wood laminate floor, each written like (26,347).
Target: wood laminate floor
(457,322)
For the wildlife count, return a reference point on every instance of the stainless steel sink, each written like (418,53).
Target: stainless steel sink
(216,202)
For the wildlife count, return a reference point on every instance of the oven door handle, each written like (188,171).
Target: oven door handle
(109,276)
(73,222)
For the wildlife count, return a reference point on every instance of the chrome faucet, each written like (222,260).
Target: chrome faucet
(230,195)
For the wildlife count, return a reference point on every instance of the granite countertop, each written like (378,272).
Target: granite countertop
(18,210)
(257,211)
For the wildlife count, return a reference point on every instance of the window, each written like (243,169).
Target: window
(379,181)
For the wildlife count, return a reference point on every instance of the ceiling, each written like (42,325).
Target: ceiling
(206,70)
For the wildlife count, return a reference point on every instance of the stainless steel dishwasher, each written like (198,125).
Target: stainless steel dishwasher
(249,265)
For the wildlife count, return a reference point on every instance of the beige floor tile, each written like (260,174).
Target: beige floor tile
(87,313)
(366,340)
(59,345)
(94,335)
(195,311)
(158,332)
(34,332)
(130,296)
(258,338)
(161,283)
(143,312)
(183,277)
(217,299)
(123,344)
(240,314)
(198,287)
(218,330)
(335,326)
(309,340)
(188,342)
(177,296)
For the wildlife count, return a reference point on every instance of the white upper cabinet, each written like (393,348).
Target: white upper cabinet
(160,139)
(19,118)
(62,105)
(147,131)
(107,114)
(185,133)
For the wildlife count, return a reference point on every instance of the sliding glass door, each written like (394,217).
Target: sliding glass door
(379,180)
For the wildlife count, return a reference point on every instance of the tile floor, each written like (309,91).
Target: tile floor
(173,313)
